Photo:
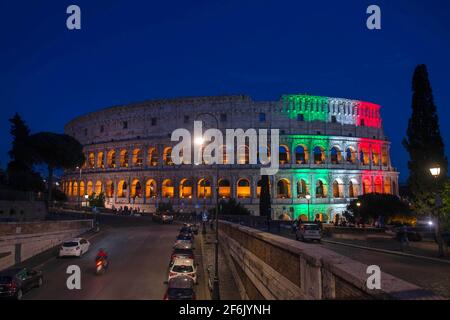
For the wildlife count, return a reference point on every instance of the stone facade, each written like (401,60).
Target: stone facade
(333,149)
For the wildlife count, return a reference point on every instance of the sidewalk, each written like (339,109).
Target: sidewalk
(228,288)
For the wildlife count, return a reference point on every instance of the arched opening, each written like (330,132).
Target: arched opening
(364,157)
(321,190)
(186,188)
(111,158)
(387,185)
(124,158)
(70,190)
(283,155)
(167,156)
(258,188)
(375,157)
(301,154)
(122,189)
(152,157)
(101,160)
(137,157)
(167,189)
(224,154)
(367,186)
(90,188)
(350,155)
(378,185)
(319,155)
(283,189)
(353,191)
(136,189)
(82,190)
(150,189)
(243,188)
(75,189)
(224,189)
(243,154)
(384,155)
(98,188)
(109,189)
(204,189)
(302,188)
(338,189)
(335,155)
(91,160)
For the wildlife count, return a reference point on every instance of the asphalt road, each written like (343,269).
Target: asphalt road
(139,253)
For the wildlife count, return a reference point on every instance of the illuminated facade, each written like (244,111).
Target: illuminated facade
(330,148)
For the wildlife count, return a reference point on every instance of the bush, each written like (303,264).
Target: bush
(97,201)
(164,206)
(231,207)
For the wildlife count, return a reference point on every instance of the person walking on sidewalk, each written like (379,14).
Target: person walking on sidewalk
(404,237)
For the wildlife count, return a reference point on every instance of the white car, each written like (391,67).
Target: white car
(75,247)
(183,267)
(308,231)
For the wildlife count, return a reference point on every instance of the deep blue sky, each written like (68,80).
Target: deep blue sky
(137,50)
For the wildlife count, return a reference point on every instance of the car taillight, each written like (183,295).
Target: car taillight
(11,285)
(99,263)
(171,274)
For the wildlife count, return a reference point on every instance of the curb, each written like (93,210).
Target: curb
(388,251)
(205,271)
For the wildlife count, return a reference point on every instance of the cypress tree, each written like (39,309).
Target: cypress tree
(264,197)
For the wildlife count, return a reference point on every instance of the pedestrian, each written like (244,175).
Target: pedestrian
(404,237)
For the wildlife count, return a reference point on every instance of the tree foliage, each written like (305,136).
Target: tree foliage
(264,200)
(373,205)
(231,207)
(424,144)
(97,200)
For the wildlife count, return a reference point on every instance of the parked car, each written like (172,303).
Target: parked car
(192,226)
(180,288)
(183,267)
(162,217)
(16,282)
(182,253)
(75,247)
(181,244)
(185,237)
(308,231)
(187,230)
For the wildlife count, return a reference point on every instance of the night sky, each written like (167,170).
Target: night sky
(129,51)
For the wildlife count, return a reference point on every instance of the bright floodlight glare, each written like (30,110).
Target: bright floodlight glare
(430,223)
(435,171)
(308,197)
(86,196)
(199,140)
(358,204)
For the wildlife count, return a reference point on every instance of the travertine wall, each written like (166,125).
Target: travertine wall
(273,267)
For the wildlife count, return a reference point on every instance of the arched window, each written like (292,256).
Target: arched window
(353,188)
(82,191)
(167,156)
(98,187)
(225,155)
(384,156)
(75,189)
(186,188)
(167,189)
(319,155)
(301,155)
(152,157)
(283,156)
(321,191)
(109,189)
(243,188)
(375,157)
(204,189)
(111,158)
(338,191)
(91,160)
(367,187)
(224,188)
(387,185)
(124,158)
(283,189)
(101,160)
(335,155)
(90,188)
(137,158)
(364,157)
(150,189)
(136,189)
(378,185)
(350,155)
(70,190)
(302,188)
(122,189)
(243,154)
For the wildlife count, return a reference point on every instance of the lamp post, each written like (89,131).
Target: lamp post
(199,141)
(308,198)
(435,172)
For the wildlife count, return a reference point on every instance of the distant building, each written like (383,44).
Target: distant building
(333,149)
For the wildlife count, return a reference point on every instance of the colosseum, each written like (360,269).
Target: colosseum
(331,150)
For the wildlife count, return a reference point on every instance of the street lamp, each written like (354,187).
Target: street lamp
(79,182)
(435,171)
(200,141)
(358,204)
(308,198)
